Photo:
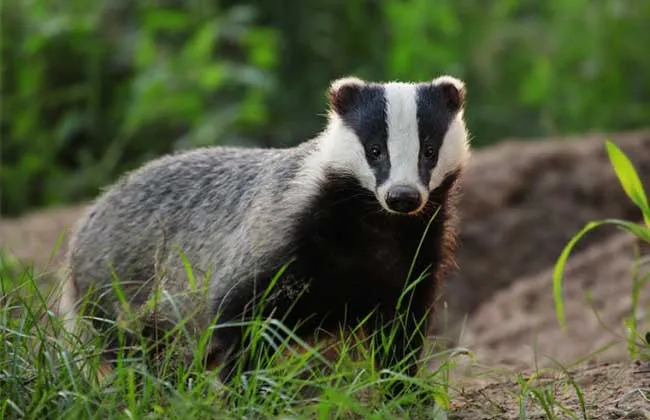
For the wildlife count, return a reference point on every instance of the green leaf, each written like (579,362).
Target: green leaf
(199,48)
(213,76)
(166,19)
(146,52)
(188,270)
(638,230)
(629,179)
(536,85)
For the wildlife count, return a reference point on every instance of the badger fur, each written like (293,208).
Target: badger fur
(343,213)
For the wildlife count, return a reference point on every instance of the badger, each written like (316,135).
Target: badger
(333,227)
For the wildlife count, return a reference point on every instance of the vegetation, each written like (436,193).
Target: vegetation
(47,372)
(638,344)
(91,89)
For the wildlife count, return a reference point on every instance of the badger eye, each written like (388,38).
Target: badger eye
(429,152)
(375,151)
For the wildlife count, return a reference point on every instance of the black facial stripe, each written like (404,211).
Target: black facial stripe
(367,118)
(434,118)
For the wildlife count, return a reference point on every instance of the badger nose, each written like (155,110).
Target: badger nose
(403,199)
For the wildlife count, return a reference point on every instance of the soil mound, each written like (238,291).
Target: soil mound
(518,325)
(523,201)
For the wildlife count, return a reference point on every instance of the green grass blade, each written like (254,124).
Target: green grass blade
(559,270)
(638,230)
(629,179)
(188,270)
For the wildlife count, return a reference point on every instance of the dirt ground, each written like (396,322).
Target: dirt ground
(522,202)
(516,331)
(610,391)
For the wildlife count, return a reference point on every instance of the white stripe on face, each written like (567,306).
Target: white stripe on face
(403,139)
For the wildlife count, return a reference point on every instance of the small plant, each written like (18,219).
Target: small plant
(633,187)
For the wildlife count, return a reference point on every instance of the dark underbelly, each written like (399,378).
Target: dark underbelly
(351,257)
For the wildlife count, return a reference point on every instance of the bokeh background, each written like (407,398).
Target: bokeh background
(91,89)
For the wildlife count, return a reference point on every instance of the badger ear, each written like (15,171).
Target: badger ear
(453,91)
(343,93)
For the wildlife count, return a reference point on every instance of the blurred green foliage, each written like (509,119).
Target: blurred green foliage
(91,89)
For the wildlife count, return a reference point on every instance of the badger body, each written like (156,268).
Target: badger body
(340,217)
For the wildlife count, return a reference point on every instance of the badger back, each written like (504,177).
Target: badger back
(198,210)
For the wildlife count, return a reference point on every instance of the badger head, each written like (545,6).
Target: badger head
(400,140)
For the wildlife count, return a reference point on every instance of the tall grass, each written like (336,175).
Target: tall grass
(46,372)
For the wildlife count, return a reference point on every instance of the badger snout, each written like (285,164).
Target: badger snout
(403,199)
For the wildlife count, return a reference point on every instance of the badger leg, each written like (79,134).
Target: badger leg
(238,353)
(400,341)
(68,312)
(233,356)
(231,350)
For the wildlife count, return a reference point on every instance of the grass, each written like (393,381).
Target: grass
(42,376)
(45,372)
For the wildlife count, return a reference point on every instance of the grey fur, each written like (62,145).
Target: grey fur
(224,208)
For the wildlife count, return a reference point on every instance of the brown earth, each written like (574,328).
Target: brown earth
(610,391)
(39,237)
(523,201)
(517,330)
(518,325)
